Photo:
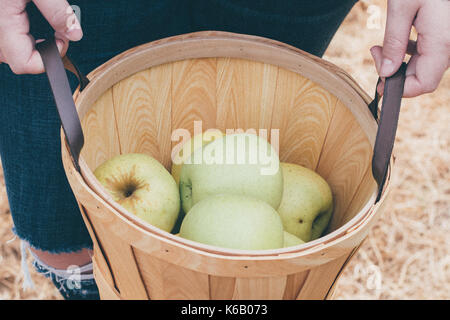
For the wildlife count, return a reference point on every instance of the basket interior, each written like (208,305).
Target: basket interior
(316,128)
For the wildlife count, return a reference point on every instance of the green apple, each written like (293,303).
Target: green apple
(307,203)
(142,185)
(189,147)
(290,240)
(234,221)
(241,163)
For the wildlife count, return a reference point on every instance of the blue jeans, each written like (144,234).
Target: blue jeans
(43,208)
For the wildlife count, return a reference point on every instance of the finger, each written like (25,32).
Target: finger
(22,57)
(61,17)
(18,46)
(62,45)
(400,17)
(377,55)
(62,42)
(16,42)
(426,68)
(416,85)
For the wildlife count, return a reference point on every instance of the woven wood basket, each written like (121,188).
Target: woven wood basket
(133,103)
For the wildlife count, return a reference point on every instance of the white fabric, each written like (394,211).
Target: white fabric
(84,272)
(27,281)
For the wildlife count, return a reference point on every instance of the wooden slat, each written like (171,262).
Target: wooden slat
(152,275)
(123,264)
(302,113)
(142,105)
(270,288)
(344,160)
(99,253)
(170,282)
(320,279)
(107,292)
(294,284)
(193,97)
(331,292)
(245,94)
(181,283)
(221,288)
(365,190)
(194,93)
(100,132)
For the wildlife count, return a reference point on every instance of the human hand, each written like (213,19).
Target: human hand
(430,54)
(17,45)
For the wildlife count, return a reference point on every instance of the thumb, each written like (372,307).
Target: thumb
(400,17)
(61,17)
(377,54)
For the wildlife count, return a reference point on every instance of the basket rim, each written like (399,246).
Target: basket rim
(348,229)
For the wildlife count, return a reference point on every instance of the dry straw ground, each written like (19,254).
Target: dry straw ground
(406,255)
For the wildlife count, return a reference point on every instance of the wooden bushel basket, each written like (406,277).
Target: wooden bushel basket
(133,103)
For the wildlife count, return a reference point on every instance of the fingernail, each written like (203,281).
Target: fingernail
(376,61)
(73,31)
(74,26)
(387,68)
(371,53)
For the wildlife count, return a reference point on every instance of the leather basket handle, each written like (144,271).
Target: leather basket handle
(387,125)
(59,84)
